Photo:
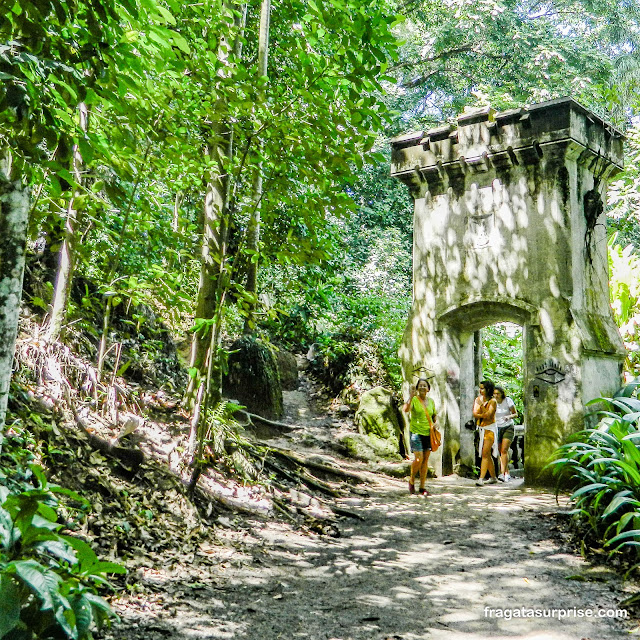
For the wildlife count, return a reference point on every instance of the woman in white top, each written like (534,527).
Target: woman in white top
(505,413)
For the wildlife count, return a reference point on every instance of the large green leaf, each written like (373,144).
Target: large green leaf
(624,538)
(38,579)
(83,611)
(11,604)
(621,499)
(588,488)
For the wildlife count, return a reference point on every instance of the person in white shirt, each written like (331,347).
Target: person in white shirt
(505,413)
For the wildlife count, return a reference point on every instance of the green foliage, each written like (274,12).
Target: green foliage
(353,307)
(623,212)
(224,445)
(457,53)
(624,270)
(502,360)
(603,465)
(48,580)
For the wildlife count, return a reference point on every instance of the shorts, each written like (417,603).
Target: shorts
(507,432)
(420,442)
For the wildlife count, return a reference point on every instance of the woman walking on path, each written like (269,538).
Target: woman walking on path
(484,410)
(505,413)
(422,414)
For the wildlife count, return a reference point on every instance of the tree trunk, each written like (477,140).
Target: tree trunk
(213,254)
(213,270)
(14,215)
(66,256)
(253,229)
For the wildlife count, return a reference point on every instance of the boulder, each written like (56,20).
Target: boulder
(253,377)
(288,369)
(368,448)
(377,419)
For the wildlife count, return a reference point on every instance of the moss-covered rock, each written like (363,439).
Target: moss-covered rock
(288,369)
(368,449)
(377,419)
(253,378)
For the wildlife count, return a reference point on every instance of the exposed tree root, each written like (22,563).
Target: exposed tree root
(313,464)
(131,457)
(251,417)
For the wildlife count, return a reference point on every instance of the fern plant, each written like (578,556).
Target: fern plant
(603,465)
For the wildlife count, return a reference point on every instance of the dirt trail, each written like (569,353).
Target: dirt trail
(408,568)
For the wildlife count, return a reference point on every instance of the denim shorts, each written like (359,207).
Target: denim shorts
(420,443)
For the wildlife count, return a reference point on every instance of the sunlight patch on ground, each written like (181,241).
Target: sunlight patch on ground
(219,630)
(376,601)
(484,537)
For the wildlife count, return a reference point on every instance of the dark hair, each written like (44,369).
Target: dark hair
(501,390)
(423,380)
(488,387)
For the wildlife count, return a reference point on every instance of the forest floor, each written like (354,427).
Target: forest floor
(399,567)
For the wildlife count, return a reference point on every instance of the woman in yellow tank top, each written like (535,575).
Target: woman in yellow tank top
(422,413)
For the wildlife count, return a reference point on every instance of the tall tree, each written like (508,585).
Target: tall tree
(14,213)
(253,231)
(66,254)
(214,276)
(44,49)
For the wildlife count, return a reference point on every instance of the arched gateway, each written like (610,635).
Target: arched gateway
(509,226)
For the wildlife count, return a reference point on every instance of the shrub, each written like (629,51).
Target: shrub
(48,580)
(603,465)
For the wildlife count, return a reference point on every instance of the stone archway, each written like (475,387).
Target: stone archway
(509,226)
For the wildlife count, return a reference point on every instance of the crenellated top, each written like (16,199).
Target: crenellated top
(486,139)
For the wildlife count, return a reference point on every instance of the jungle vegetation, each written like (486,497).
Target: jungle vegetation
(221,168)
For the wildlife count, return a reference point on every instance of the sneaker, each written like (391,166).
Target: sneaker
(492,481)
(480,483)
(423,492)
(412,489)
(501,477)
(507,477)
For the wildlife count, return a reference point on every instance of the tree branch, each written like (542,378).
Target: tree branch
(443,55)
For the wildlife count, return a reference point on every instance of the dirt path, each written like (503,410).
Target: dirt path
(408,568)
(413,568)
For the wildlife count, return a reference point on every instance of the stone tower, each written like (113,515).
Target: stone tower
(509,227)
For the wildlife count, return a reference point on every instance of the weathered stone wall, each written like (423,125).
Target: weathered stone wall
(509,226)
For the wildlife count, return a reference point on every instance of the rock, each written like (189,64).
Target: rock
(128,422)
(288,369)
(398,469)
(369,448)
(253,377)
(377,419)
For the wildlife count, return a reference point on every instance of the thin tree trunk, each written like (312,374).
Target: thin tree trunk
(213,254)
(14,216)
(111,279)
(175,225)
(253,229)
(213,269)
(67,254)
(102,351)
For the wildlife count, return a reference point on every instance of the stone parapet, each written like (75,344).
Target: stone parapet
(486,139)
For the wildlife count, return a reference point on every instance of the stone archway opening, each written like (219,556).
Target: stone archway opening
(501,356)
(464,330)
